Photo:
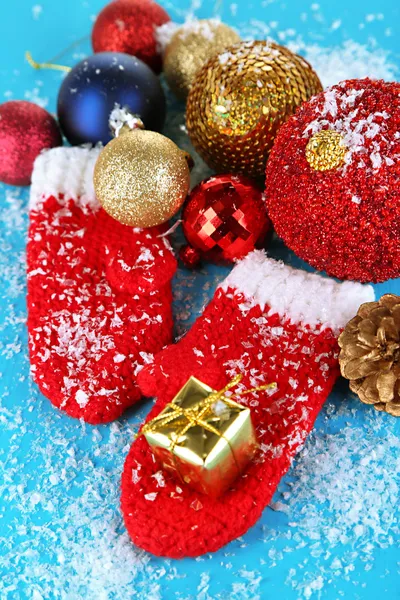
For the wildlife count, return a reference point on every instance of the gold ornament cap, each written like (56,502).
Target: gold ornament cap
(240,99)
(191,46)
(141,178)
(326,150)
(370,354)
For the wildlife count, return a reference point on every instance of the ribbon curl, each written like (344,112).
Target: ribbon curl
(46,65)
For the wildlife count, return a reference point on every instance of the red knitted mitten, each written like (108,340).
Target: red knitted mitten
(99,293)
(271,323)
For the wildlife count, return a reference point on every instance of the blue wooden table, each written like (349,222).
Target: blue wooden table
(332,530)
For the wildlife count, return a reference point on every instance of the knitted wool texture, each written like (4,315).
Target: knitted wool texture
(99,293)
(271,323)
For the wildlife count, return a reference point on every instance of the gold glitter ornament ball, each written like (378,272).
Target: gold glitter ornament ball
(240,99)
(141,178)
(191,46)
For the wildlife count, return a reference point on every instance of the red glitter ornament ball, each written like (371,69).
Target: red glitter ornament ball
(224,218)
(25,130)
(129,26)
(333,181)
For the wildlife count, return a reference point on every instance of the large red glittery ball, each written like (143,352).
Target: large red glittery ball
(25,130)
(225,217)
(129,26)
(333,181)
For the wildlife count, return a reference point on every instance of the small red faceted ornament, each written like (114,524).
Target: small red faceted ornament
(223,219)
(25,130)
(129,26)
(333,181)
(190,257)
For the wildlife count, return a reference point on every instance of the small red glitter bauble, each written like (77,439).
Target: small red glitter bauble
(333,181)
(225,217)
(129,26)
(190,256)
(25,130)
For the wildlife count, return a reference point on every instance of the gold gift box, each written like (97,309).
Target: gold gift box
(203,437)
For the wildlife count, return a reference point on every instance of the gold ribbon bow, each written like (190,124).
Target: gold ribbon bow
(198,413)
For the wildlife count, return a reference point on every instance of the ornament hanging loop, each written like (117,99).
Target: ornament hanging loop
(39,66)
(189,159)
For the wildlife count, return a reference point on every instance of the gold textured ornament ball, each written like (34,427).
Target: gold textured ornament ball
(191,46)
(141,178)
(240,99)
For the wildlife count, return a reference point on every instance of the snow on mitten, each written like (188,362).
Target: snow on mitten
(99,293)
(270,323)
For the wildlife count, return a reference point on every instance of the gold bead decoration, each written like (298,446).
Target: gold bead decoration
(370,354)
(240,99)
(141,178)
(191,46)
(326,150)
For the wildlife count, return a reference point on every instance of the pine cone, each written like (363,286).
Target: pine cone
(370,354)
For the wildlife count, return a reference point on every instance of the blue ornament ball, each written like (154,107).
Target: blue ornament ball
(94,86)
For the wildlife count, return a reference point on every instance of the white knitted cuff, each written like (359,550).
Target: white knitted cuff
(302,297)
(67,172)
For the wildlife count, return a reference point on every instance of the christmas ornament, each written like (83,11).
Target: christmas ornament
(332,181)
(25,130)
(191,46)
(190,257)
(203,437)
(370,354)
(129,26)
(223,219)
(267,322)
(99,293)
(240,99)
(91,90)
(141,178)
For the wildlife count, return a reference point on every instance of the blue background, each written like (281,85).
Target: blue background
(332,530)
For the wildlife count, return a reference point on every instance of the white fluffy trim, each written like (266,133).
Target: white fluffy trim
(66,171)
(164,34)
(302,297)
